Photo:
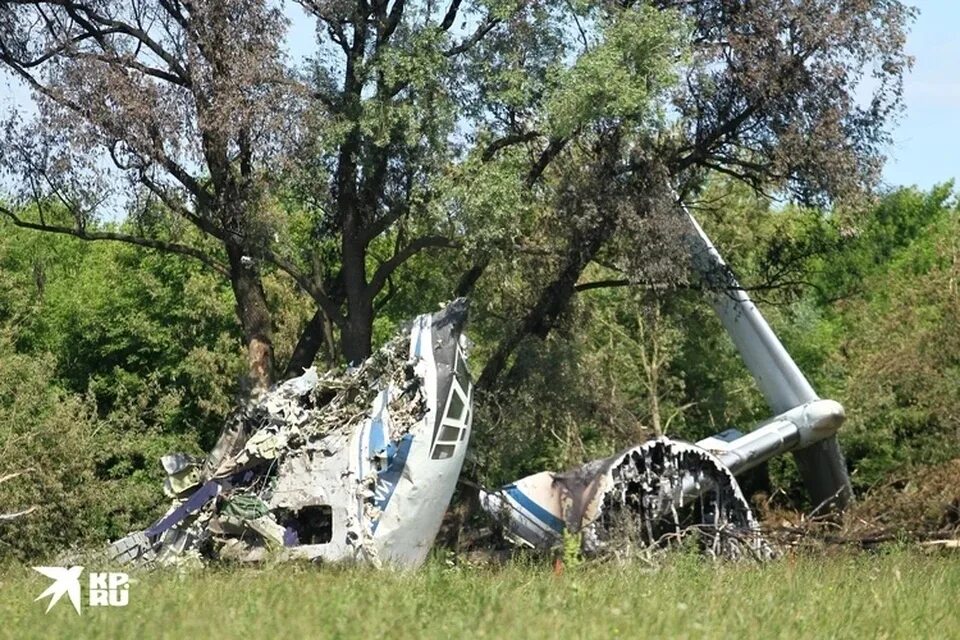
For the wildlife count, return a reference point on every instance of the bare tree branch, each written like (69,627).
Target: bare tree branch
(150,243)
(386,269)
(450,15)
(546,157)
(506,141)
(5,517)
(393,20)
(308,285)
(602,284)
(485,27)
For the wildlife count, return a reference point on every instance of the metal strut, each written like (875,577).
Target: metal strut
(812,422)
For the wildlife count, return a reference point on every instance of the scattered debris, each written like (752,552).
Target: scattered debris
(646,496)
(361,465)
(358,465)
(902,510)
(904,502)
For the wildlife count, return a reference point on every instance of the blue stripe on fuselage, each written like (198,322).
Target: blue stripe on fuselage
(533,508)
(388,479)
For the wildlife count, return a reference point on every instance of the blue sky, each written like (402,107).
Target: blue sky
(926,140)
(926,147)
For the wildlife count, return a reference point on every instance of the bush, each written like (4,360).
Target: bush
(91,479)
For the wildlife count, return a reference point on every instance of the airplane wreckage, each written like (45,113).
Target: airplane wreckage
(361,465)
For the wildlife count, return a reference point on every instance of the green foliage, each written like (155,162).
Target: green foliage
(873,325)
(874,237)
(900,355)
(111,357)
(134,328)
(570,552)
(49,434)
(623,75)
(90,479)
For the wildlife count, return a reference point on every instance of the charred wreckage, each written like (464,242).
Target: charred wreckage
(361,465)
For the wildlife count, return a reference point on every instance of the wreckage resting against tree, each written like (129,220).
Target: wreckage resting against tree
(361,465)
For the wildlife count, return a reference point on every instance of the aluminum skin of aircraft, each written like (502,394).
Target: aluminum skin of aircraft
(361,465)
(353,467)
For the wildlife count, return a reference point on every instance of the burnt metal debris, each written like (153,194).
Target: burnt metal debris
(361,465)
(666,487)
(649,496)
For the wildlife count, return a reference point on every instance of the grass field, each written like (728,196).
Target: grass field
(896,595)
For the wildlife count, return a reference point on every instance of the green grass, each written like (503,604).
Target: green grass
(898,595)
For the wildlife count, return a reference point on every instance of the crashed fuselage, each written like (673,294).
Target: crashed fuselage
(388,485)
(355,466)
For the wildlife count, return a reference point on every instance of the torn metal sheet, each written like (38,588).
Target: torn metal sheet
(652,487)
(650,494)
(183,474)
(359,465)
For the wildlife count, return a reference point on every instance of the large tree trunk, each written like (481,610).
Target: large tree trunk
(553,300)
(317,335)
(254,317)
(357,333)
(357,330)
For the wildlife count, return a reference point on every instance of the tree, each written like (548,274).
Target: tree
(185,101)
(766,97)
(414,104)
(558,132)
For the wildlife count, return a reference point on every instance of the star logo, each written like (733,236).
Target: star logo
(65,581)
